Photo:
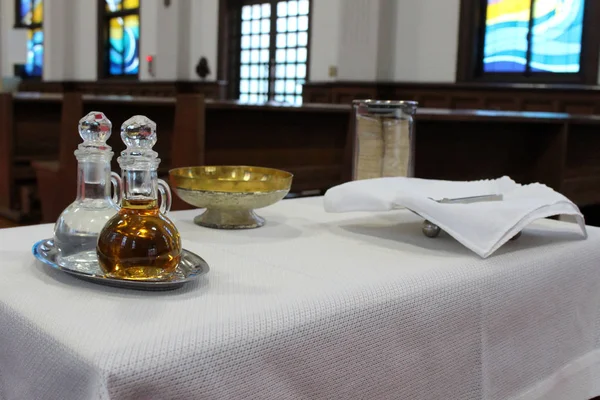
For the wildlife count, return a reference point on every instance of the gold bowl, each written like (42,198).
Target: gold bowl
(230,194)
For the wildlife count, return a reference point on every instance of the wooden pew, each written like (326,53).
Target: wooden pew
(57,179)
(309,141)
(472,144)
(557,149)
(315,142)
(29,130)
(189,140)
(581,170)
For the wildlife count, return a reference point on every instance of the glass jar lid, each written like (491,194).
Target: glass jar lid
(385,107)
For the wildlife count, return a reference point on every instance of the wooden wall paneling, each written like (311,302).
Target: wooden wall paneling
(537,104)
(582,108)
(188,140)
(470,150)
(36,127)
(581,181)
(511,97)
(387,92)
(6,151)
(317,96)
(550,155)
(27,85)
(308,142)
(210,89)
(433,101)
(467,102)
(347,95)
(505,103)
(407,97)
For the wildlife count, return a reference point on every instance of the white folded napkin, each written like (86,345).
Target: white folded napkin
(482,227)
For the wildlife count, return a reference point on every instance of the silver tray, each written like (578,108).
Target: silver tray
(189,268)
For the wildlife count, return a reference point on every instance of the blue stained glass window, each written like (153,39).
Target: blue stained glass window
(123,33)
(30,15)
(556,36)
(552,45)
(25,12)
(35,53)
(30,12)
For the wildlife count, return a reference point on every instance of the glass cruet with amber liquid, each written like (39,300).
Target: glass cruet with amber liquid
(140,242)
(78,226)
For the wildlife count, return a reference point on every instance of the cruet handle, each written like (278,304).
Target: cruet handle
(115,179)
(165,196)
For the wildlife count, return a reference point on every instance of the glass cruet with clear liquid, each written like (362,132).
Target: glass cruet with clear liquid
(140,242)
(76,230)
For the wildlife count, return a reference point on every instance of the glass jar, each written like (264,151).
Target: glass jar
(385,143)
(78,226)
(140,242)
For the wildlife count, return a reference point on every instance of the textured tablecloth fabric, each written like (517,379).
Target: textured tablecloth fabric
(314,306)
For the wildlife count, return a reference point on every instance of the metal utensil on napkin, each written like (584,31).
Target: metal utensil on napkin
(471,199)
(431,230)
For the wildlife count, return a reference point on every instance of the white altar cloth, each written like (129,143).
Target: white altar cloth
(314,306)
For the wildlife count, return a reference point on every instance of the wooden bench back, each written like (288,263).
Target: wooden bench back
(29,132)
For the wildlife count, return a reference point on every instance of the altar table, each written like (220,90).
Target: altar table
(313,306)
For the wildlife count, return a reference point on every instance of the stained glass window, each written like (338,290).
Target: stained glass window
(35,52)
(273,51)
(122,33)
(30,15)
(533,36)
(29,12)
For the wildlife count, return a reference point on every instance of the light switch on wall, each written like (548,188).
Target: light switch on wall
(333,71)
(151,70)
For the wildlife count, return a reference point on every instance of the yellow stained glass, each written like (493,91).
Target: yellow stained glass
(499,11)
(132,21)
(116,28)
(38,12)
(131,4)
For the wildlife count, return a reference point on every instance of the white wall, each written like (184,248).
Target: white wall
(204,24)
(426,40)
(148,35)
(58,40)
(85,56)
(400,40)
(365,39)
(359,33)
(386,40)
(324,38)
(167,41)
(13,42)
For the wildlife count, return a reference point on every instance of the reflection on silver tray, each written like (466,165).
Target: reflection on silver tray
(189,268)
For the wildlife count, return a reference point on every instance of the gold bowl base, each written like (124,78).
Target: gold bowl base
(229,219)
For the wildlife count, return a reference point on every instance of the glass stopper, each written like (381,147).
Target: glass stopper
(139,132)
(95,129)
